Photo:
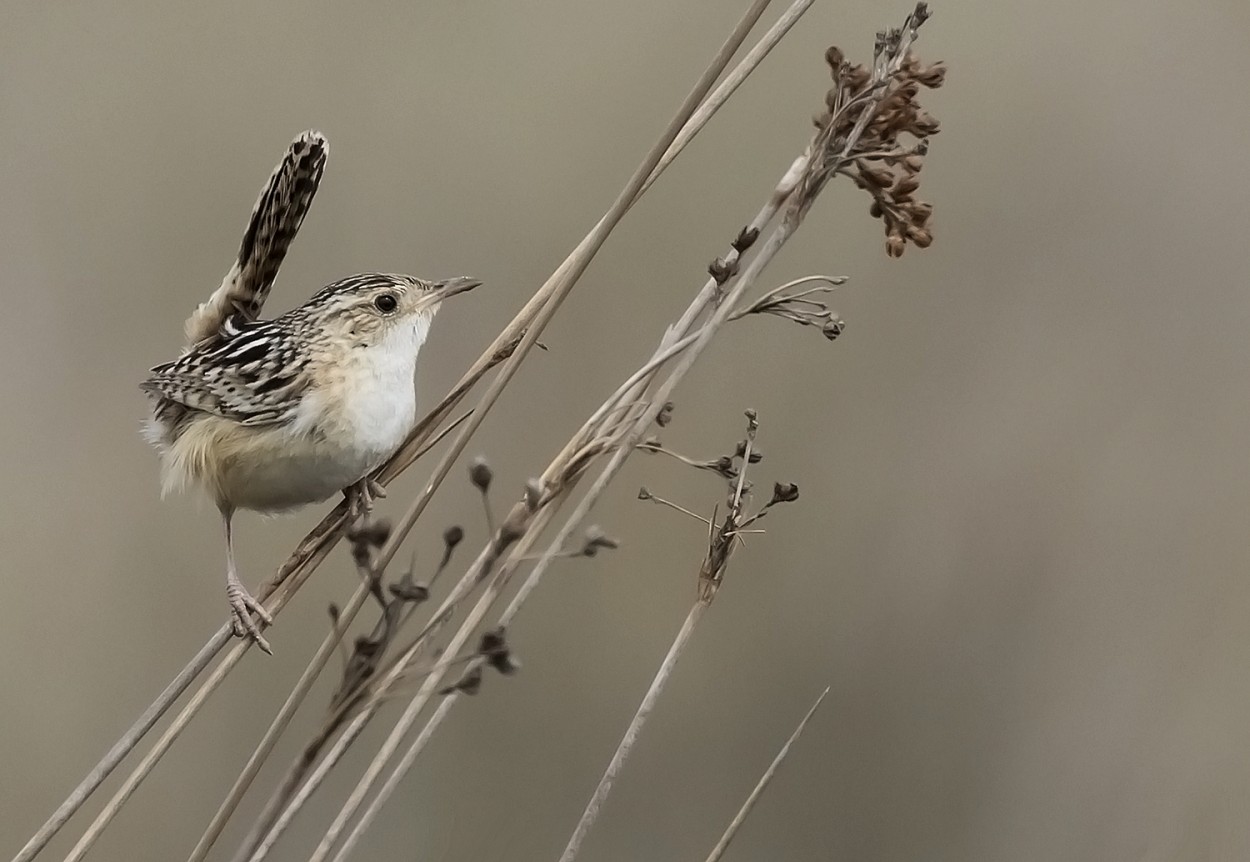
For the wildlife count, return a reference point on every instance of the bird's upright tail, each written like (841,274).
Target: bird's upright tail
(276,218)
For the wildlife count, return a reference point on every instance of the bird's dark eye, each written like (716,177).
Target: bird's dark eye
(386,303)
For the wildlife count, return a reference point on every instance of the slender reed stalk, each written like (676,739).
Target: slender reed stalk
(754,796)
(868,115)
(554,292)
(302,686)
(865,112)
(623,748)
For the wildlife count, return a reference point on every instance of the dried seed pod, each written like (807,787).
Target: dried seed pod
(665,415)
(453,536)
(784,492)
(832,329)
(480,474)
(920,237)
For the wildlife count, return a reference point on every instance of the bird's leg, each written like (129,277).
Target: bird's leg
(242,605)
(361,496)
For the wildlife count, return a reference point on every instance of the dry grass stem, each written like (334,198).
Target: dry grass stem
(193,706)
(796,192)
(734,825)
(721,542)
(552,293)
(623,748)
(858,136)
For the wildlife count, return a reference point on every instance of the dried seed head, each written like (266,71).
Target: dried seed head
(869,113)
(470,683)
(644,494)
(410,591)
(665,415)
(453,536)
(596,539)
(784,492)
(745,239)
(905,186)
(725,466)
(833,328)
(932,77)
(722,270)
(480,474)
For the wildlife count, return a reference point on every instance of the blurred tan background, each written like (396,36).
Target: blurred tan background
(1020,559)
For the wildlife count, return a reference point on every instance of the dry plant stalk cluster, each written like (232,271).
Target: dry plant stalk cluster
(871,130)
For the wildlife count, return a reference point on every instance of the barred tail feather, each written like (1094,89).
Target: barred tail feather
(277,216)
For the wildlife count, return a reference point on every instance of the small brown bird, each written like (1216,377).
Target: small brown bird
(275,414)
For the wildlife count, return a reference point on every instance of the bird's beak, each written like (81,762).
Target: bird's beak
(451,286)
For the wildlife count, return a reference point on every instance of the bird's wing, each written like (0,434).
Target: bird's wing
(253,378)
(277,216)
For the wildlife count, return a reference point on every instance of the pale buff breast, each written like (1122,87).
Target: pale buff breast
(358,413)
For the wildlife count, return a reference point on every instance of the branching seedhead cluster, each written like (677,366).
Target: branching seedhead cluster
(873,130)
(723,534)
(800,306)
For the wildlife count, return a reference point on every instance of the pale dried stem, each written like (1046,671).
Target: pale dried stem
(623,447)
(731,83)
(519,552)
(294,699)
(623,748)
(311,550)
(673,343)
(317,544)
(278,725)
(591,813)
(552,294)
(761,785)
(124,745)
(330,526)
(320,549)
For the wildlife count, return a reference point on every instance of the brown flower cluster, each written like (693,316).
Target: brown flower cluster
(873,130)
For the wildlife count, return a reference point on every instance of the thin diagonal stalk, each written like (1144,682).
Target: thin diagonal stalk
(353,730)
(762,784)
(317,545)
(714,101)
(292,703)
(413,710)
(145,766)
(292,573)
(591,813)
(668,348)
(124,745)
(561,282)
(399,462)
(731,83)
(558,287)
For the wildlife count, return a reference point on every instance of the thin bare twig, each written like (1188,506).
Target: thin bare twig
(761,785)
(294,700)
(623,748)
(553,294)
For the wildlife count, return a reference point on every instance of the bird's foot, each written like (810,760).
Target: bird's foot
(360,498)
(242,606)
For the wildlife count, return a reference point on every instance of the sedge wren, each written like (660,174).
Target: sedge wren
(271,415)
